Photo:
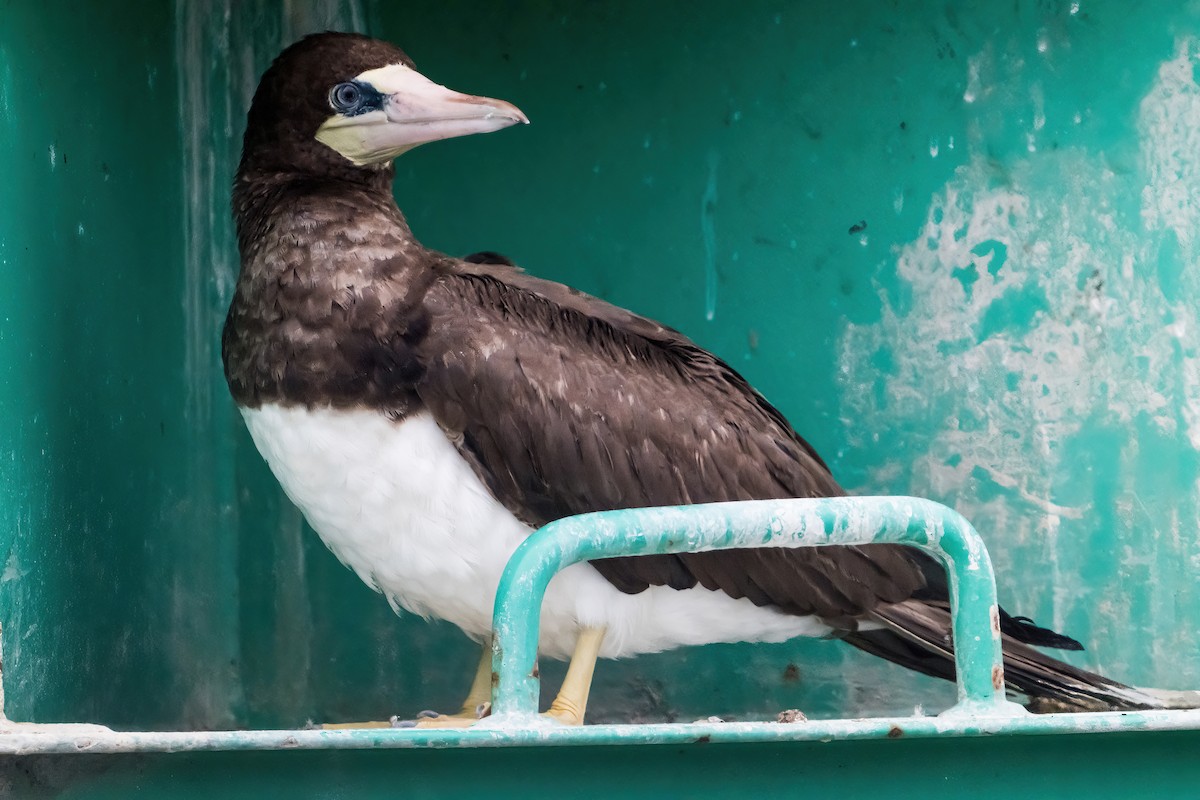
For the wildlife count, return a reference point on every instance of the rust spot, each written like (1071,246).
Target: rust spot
(791,674)
(995,621)
(705,739)
(895,732)
(997,678)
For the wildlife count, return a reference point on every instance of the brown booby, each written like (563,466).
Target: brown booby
(426,413)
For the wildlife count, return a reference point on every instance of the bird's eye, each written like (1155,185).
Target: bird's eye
(346,98)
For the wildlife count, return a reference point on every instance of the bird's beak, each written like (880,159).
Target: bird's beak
(413,110)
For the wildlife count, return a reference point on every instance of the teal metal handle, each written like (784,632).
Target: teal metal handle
(934,528)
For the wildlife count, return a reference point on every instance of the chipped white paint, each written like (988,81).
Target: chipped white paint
(13,568)
(974,88)
(1040,312)
(1170,128)
(1043,41)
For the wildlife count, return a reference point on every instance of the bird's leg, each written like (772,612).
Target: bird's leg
(476,705)
(568,707)
(571,703)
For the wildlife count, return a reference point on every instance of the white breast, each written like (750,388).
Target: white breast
(397,504)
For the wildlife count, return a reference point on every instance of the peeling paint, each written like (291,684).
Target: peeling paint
(13,570)
(1044,354)
(25,739)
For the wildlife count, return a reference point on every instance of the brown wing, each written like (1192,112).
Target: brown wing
(565,404)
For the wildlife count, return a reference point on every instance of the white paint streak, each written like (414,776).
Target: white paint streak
(221,49)
(6,83)
(1169,124)
(1170,127)
(708,228)
(973,84)
(13,570)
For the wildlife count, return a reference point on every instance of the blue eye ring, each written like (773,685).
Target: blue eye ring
(351,98)
(347,98)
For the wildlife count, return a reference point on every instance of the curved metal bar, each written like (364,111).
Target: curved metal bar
(932,527)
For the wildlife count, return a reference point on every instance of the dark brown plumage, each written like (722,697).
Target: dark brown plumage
(593,408)
(561,403)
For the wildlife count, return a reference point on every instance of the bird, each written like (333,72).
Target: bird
(427,413)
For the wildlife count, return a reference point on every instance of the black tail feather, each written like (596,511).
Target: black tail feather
(916,634)
(489,257)
(1024,630)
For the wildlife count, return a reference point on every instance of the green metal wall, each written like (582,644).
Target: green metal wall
(1097,766)
(956,246)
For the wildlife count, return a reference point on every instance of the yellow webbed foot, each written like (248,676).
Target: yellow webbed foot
(342,726)
(432,719)
(425,719)
(565,712)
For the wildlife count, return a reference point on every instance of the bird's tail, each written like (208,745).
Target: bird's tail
(916,634)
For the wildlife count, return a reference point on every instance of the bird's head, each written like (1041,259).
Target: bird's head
(341,103)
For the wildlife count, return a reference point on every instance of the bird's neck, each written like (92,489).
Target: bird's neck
(261,198)
(329,273)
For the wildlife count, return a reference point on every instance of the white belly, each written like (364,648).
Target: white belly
(397,504)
